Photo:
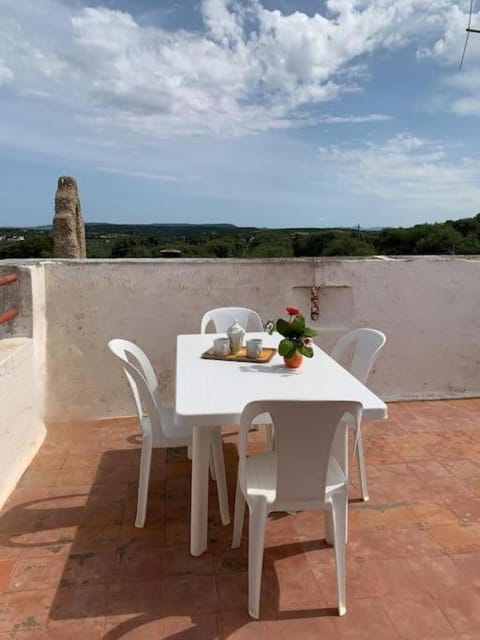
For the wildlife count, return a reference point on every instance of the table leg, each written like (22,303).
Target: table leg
(199,505)
(340,452)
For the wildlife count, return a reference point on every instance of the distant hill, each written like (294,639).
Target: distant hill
(170,230)
(221,225)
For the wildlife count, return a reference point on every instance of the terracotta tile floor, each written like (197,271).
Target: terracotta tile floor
(72,565)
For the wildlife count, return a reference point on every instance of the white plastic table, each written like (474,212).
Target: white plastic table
(214,392)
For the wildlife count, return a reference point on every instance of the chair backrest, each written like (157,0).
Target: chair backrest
(143,383)
(366,344)
(304,433)
(224,317)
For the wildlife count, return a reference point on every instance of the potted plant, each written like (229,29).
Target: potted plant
(297,338)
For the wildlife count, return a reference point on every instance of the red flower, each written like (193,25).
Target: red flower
(292,311)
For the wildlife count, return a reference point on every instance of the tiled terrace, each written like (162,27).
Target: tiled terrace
(72,565)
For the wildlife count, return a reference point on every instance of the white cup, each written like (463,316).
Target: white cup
(221,346)
(254,348)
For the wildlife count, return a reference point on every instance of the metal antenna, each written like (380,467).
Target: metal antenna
(469,30)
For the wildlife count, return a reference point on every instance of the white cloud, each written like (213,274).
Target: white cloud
(6,74)
(372,117)
(26,54)
(141,174)
(447,50)
(250,70)
(410,172)
(448,47)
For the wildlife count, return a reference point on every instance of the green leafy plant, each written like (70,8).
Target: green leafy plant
(296,335)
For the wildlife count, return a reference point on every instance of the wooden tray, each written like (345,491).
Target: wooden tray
(266,355)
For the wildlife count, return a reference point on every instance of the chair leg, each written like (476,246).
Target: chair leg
(270,437)
(256,543)
(329,531)
(211,466)
(346,517)
(238,517)
(219,468)
(339,511)
(361,468)
(143,481)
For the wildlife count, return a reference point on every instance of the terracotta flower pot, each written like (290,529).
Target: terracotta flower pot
(295,361)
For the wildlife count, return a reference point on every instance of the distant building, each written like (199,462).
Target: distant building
(170,253)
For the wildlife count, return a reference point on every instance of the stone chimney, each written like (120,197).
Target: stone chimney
(68,226)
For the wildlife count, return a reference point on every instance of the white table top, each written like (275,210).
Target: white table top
(212,392)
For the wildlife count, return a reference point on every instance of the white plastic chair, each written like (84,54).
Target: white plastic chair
(158,427)
(223,317)
(300,474)
(366,345)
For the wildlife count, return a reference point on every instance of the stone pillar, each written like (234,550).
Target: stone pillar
(68,226)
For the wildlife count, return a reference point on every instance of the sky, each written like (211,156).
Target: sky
(267,113)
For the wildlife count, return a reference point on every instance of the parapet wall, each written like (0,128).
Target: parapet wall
(428,307)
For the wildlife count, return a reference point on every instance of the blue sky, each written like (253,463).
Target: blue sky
(270,113)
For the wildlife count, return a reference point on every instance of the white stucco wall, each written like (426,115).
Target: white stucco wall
(21,431)
(428,307)
(22,377)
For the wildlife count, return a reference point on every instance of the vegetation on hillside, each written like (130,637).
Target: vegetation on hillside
(460,237)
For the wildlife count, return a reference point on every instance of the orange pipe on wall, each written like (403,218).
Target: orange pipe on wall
(8,315)
(11,277)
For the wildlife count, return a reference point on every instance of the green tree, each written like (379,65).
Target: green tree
(399,241)
(132,247)
(37,245)
(313,244)
(469,245)
(346,245)
(439,239)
